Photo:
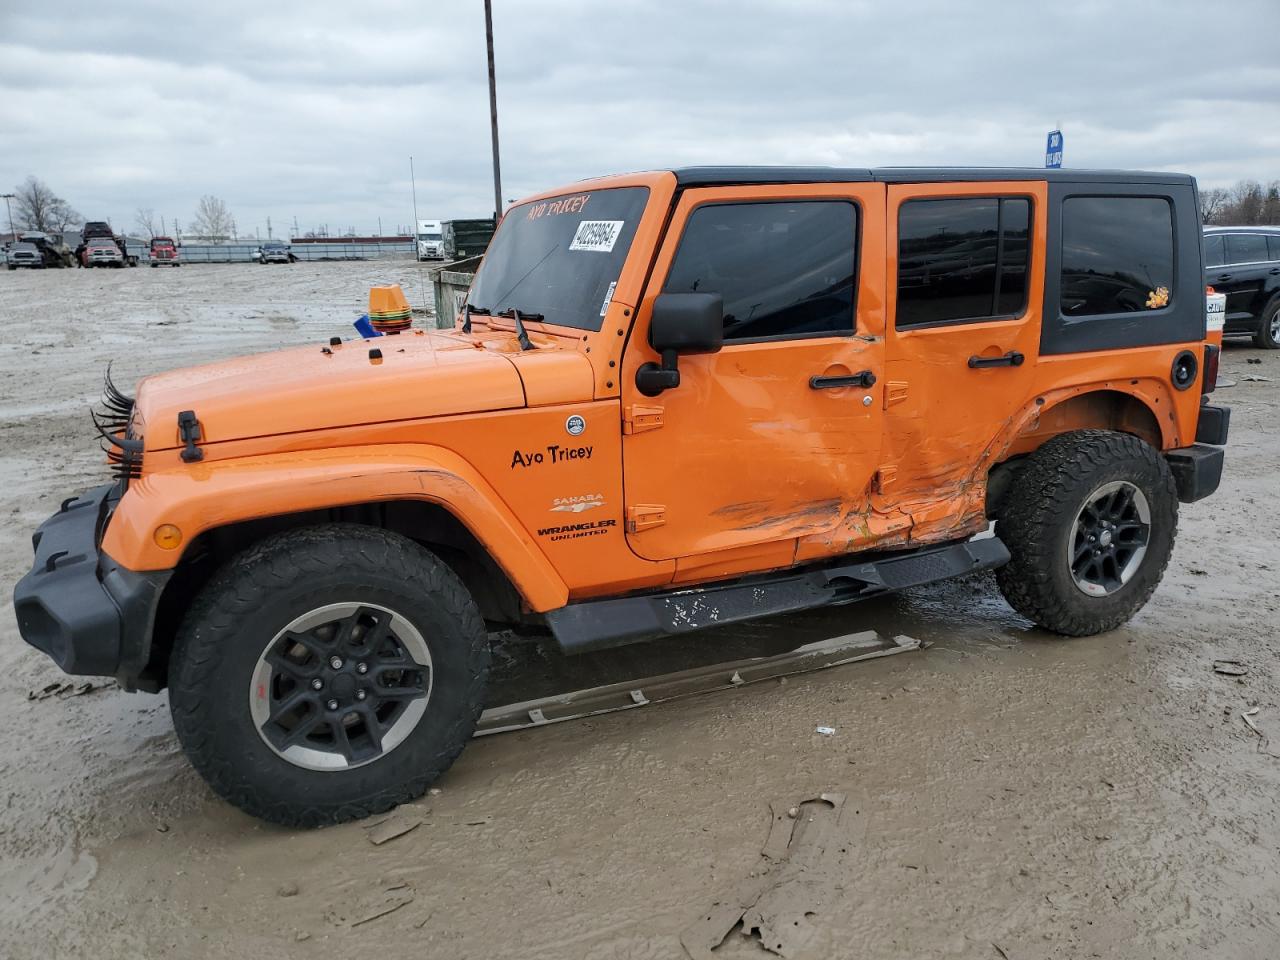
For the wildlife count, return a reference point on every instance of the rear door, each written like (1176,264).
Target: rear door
(963,325)
(770,439)
(1242,277)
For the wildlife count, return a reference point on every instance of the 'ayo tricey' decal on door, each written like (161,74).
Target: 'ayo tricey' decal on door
(597,235)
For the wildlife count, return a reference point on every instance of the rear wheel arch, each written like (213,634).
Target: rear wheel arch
(426,523)
(1104,409)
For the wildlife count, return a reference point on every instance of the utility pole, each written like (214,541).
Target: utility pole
(7,197)
(493,113)
(413,184)
(379,226)
(268,228)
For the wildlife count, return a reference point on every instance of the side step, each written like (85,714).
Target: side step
(600,624)
(834,652)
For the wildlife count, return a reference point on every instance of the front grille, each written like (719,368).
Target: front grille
(122,437)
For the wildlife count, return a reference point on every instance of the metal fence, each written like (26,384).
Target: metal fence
(243,252)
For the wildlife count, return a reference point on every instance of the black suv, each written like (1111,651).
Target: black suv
(1244,263)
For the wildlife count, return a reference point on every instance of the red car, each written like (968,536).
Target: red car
(163,250)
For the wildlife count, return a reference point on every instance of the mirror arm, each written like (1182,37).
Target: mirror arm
(652,378)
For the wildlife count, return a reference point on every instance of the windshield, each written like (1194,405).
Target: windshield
(560,257)
(428,236)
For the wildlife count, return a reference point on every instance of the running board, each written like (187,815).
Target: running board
(629,694)
(600,624)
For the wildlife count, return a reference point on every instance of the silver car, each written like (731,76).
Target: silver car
(24,255)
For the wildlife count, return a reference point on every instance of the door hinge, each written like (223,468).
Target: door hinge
(639,417)
(644,516)
(895,392)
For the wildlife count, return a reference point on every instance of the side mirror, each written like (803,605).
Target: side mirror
(681,323)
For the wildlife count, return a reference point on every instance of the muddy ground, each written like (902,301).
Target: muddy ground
(1016,795)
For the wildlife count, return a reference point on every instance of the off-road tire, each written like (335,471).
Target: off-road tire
(1038,515)
(1264,336)
(256,595)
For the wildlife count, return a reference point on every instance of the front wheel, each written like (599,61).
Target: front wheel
(1090,524)
(327,674)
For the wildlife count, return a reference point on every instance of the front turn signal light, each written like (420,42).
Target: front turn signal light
(167,536)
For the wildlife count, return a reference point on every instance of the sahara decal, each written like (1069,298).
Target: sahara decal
(587,501)
(554,453)
(575,531)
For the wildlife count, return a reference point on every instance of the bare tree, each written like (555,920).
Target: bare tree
(146,222)
(1247,204)
(213,221)
(39,208)
(1212,204)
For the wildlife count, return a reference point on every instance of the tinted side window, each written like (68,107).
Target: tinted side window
(962,259)
(1214,251)
(1117,255)
(1273,248)
(1246,247)
(785,269)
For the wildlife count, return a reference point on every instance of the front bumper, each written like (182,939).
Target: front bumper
(87,613)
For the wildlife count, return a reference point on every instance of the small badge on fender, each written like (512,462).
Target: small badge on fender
(575,425)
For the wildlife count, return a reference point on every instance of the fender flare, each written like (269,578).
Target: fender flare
(204,496)
(1145,392)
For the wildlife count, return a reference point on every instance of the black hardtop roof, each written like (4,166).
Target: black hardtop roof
(721,176)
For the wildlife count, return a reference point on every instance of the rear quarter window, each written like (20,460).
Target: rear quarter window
(1117,255)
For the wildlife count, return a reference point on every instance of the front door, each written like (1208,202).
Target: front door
(776,436)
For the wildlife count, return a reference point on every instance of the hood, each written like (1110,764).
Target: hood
(306,388)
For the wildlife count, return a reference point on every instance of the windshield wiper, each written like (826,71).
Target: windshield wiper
(467,311)
(521,333)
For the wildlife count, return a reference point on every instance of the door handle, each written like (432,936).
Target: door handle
(1011,359)
(1223,278)
(864,378)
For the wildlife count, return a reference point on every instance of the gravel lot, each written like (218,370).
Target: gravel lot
(1015,795)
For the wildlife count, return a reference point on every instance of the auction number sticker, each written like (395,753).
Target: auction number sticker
(597,235)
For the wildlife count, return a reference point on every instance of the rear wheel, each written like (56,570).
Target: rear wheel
(1090,525)
(327,674)
(1267,335)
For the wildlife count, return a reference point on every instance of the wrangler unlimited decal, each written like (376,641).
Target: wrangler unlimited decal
(572,531)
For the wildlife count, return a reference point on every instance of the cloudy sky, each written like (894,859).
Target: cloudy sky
(311,110)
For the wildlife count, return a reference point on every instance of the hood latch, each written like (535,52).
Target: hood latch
(188,433)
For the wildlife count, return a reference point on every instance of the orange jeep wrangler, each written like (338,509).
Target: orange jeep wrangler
(671,400)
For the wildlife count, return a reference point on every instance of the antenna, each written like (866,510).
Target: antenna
(422,283)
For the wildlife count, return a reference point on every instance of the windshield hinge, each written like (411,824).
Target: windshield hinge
(639,417)
(645,516)
(188,433)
